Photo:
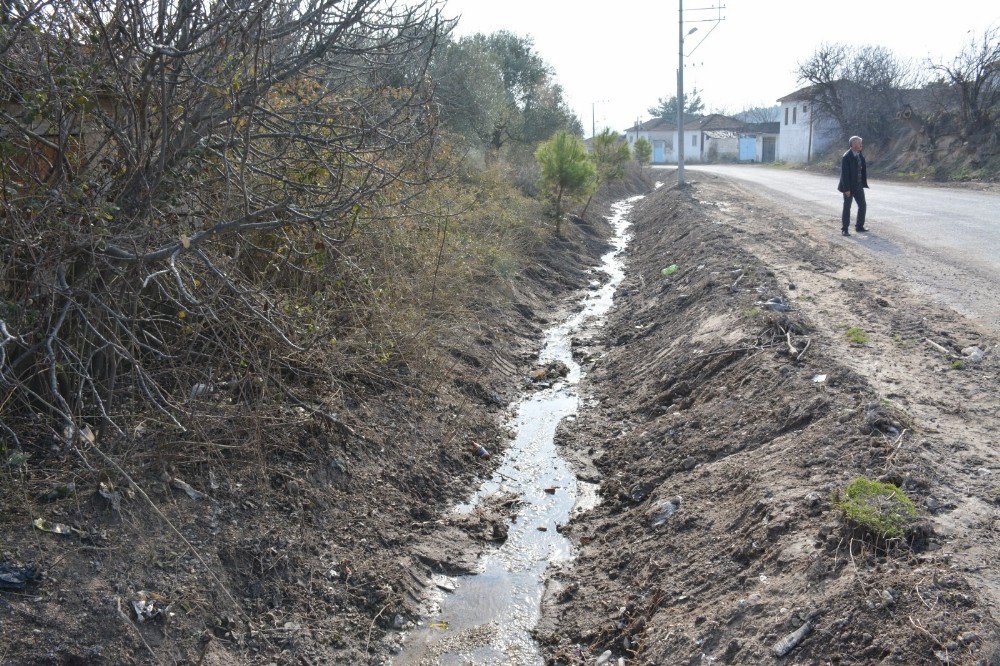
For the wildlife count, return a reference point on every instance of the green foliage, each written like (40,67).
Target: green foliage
(666,107)
(495,89)
(642,150)
(669,270)
(957,364)
(565,169)
(882,509)
(610,155)
(856,335)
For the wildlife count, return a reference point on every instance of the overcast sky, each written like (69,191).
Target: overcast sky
(618,57)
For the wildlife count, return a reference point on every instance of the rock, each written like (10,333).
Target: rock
(881,302)
(689,463)
(776,304)
(968,637)
(973,354)
(398,622)
(789,642)
(887,597)
(604,658)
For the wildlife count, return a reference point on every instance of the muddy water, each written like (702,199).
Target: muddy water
(488,617)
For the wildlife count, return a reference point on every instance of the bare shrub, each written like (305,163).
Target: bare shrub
(186,191)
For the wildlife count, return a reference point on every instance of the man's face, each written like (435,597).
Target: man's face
(856,146)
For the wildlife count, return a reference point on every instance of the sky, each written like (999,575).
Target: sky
(615,59)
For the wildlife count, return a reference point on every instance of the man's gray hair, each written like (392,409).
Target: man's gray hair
(855,139)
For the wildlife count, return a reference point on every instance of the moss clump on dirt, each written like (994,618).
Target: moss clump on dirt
(882,509)
(855,334)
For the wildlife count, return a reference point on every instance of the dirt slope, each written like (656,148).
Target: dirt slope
(719,450)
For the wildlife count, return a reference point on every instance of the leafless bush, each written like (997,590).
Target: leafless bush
(184,189)
(973,77)
(860,88)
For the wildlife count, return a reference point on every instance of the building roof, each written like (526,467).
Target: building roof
(714,121)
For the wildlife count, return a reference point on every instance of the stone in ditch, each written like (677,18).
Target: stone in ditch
(604,658)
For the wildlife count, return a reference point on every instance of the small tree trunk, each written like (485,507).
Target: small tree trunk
(559,209)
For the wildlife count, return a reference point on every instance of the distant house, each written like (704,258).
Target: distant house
(804,133)
(759,142)
(710,138)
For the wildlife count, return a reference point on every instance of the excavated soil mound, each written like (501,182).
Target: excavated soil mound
(724,422)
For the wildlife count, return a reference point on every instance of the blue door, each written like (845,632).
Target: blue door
(748,148)
(658,156)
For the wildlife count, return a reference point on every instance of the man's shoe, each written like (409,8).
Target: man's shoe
(845,232)
(861,230)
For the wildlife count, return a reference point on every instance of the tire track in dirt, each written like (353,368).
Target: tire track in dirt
(955,413)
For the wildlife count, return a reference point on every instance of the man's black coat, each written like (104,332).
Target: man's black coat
(849,172)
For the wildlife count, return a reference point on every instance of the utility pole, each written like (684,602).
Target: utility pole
(680,75)
(680,93)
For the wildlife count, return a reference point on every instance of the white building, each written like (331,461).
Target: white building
(706,139)
(804,133)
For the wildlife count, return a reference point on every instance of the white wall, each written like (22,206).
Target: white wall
(692,144)
(794,142)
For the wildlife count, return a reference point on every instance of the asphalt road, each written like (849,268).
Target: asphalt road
(944,241)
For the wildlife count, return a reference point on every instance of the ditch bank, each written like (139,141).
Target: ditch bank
(722,415)
(316,547)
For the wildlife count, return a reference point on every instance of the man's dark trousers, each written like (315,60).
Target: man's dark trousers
(858,194)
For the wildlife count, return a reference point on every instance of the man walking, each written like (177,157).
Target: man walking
(853,181)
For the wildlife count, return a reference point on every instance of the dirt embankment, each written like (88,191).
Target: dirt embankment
(721,428)
(314,553)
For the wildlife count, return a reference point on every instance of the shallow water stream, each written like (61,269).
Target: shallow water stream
(487,619)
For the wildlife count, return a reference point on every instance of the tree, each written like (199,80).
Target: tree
(566,169)
(642,150)
(760,114)
(860,88)
(975,73)
(495,89)
(666,107)
(610,155)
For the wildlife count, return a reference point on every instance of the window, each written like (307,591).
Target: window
(805,108)
(694,140)
(794,111)
(786,115)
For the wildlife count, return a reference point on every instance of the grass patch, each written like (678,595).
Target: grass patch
(856,335)
(881,509)
(957,365)
(751,313)
(808,299)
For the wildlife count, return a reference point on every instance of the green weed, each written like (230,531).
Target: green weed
(856,335)
(882,509)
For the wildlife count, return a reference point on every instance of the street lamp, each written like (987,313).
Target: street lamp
(680,91)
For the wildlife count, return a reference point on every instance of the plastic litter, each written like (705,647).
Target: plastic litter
(669,270)
(55,528)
